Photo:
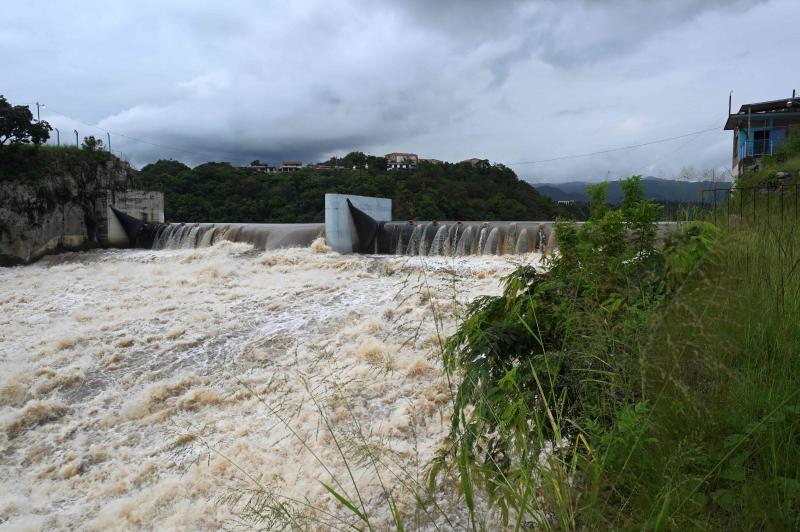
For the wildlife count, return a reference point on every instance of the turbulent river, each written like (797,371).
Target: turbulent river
(204,388)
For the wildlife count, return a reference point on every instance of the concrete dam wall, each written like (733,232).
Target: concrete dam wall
(358,224)
(69,207)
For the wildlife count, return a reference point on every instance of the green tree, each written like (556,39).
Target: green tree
(354,159)
(92,144)
(632,192)
(598,200)
(641,215)
(18,127)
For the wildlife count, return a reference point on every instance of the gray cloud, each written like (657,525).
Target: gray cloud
(511,81)
(589,31)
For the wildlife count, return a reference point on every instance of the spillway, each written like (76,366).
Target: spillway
(260,236)
(427,239)
(391,238)
(353,230)
(456,239)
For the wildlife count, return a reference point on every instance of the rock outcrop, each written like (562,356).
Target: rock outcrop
(60,208)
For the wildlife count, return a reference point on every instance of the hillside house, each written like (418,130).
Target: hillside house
(396,161)
(263,168)
(760,128)
(290,166)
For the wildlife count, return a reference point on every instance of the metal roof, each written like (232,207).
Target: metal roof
(786,107)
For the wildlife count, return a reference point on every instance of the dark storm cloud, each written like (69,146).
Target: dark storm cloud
(512,81)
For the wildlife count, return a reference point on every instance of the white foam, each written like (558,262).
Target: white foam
(136,384)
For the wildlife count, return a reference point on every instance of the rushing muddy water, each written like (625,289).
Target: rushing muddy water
(157,389)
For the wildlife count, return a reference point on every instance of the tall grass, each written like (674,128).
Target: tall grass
(713,443)
(657,390)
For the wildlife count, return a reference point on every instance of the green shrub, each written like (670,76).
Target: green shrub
(547,357)
(635,386)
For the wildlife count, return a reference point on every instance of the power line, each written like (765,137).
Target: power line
(676,150)
(611,150)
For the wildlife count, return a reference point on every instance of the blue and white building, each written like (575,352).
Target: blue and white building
(759,129)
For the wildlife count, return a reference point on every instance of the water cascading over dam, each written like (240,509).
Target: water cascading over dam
(394,238)
(460,238)
(260,236)
(448,238)
(349,229)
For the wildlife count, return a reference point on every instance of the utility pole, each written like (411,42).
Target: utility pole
(58,137)
(37,111)
(76,138)
(109,141)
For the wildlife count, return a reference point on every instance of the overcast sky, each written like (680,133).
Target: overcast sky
(509,81)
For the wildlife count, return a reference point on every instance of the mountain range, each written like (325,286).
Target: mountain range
(661,190)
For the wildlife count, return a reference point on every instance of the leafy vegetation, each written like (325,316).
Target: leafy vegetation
(33,163)
(220,192)
(91,143)
(542,359)
(17,125)
(635,385)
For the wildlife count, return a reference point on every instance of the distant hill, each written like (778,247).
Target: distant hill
(220,192)
(662,190)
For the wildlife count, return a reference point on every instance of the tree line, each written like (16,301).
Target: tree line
(220,192)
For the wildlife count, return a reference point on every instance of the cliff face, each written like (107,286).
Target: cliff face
(58,208)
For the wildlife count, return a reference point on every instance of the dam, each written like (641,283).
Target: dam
(358,224)
(355,224)
(395,238)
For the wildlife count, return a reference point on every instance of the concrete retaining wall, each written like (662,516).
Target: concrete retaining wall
(143,204)
(340,233)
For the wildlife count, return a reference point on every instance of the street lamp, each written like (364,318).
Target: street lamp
(76,138)
(37,110)
(109,141)
(58,137)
